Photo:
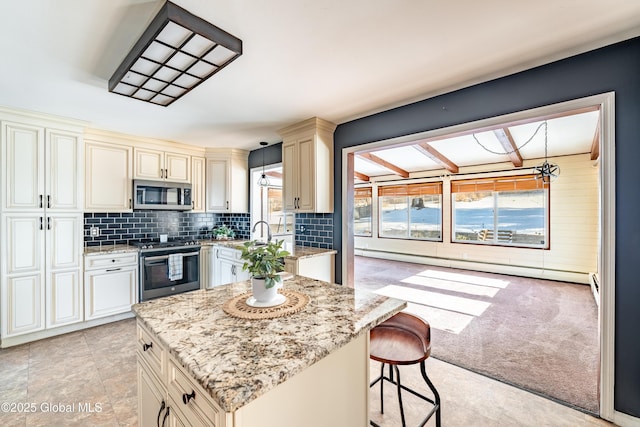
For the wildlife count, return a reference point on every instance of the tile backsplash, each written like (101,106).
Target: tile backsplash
(312,229)
(120,228)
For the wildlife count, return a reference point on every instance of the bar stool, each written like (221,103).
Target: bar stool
(403,339)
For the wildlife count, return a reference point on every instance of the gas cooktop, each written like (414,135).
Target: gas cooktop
(171,243)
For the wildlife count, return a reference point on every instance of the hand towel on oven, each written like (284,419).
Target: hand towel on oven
(175,267)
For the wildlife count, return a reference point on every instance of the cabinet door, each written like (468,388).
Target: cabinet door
(63,166)
(177,167)
(289,171)
(23,243)
(23,167)
(241,275)
(204,267)
(198,183)
(22,305)
(217,185)
(226,271)
(109,291)
(306,175)
(108,177)
(63,298)
(149,164)
(64,241)
(152,401)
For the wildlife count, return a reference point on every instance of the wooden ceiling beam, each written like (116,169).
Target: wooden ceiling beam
(509,145)
(375,159)
(437,157)
(595,145)
(361,176)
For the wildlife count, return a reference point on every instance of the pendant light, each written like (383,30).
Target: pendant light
(546,172)
(263,181)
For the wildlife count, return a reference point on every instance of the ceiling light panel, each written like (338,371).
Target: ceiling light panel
(176,53)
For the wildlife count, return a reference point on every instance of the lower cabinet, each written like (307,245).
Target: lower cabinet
(227,266)
(110,284)
(319,267)
(167,395)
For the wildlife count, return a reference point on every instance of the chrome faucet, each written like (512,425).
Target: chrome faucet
(268,229)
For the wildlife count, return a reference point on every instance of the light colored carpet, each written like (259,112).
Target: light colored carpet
(537,334)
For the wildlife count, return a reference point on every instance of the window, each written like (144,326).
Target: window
(362,212)
(510,211)
(411,211)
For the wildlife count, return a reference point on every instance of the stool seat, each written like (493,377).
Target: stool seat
(400,340)
(404,339)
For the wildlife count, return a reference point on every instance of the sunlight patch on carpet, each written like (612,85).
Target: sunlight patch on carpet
(448,285)
(445,320)
(434,299)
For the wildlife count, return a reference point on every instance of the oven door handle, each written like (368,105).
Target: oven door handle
(161,257)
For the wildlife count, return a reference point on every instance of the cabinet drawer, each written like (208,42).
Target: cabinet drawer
(93,262)
(199,409)
(228,253)
(152,352)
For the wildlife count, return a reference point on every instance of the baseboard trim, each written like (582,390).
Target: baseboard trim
(536,273)
(48,333)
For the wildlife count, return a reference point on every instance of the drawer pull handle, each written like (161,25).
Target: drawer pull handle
(166,415)
(146,346)
(162,406)
(187,397)
(113,269)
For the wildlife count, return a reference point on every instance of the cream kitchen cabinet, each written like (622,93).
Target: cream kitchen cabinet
(111,284)
(160,165)
(206,266)
(227,179)
(41,223)
(227,266)
(108,175)
(39,168)
(198,180)
(42,285)
(167,395)
(307,166)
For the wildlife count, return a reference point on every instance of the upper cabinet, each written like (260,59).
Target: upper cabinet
(39,168)
(108,177)
(227,179)
(307,166)
(198,183)
(160,165)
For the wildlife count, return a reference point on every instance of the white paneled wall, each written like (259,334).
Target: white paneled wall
(574,233)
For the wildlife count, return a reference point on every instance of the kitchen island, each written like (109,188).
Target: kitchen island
(198,365)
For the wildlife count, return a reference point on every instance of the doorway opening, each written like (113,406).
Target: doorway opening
(477,254)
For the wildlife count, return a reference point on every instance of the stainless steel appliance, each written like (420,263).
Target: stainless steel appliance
(161,195)
(157,279)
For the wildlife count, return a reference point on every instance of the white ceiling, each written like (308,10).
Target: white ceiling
(334,59)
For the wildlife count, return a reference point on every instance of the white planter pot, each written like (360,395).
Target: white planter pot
(261,293)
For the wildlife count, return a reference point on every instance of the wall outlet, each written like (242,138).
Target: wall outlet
(94,231)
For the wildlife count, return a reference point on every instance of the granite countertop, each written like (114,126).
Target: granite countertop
(238,360)
(108,249)
(295,252)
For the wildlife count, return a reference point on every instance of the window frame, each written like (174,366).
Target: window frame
(498,185)
(359,193)
(410,191)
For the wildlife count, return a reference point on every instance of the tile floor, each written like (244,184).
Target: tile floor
(97,367)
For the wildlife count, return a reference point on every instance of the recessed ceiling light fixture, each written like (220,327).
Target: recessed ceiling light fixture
(176,53)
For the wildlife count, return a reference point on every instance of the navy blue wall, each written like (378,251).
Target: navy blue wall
(613,68)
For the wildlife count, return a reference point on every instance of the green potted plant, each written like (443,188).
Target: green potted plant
(223,233)
(264,262)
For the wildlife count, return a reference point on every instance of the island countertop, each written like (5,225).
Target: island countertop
(237,360)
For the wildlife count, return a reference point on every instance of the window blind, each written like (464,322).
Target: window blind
(421,189)
(362,192)
(507,183)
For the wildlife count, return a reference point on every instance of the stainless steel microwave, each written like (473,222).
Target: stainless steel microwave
(175,196)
